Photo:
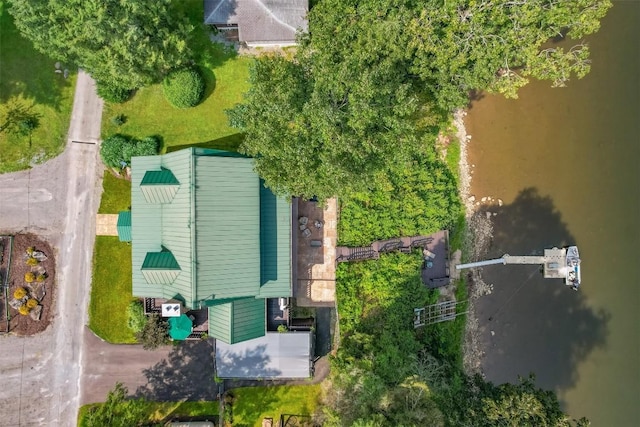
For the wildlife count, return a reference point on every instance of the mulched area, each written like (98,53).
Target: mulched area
(43,292)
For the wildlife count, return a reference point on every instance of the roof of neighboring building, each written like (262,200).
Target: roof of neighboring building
(217,237)
(259,21)
(275,355)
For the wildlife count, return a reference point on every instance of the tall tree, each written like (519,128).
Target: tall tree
(495,45)
(374,77)
(125,44)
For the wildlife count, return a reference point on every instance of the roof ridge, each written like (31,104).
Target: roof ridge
(270,12)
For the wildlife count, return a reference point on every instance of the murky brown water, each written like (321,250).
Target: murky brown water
(565,164)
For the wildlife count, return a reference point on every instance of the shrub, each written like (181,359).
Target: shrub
(154,334)
(111,93)
(136,317)
(29,277)
(20,293)
(28,125)
(32,261)
(32,303)
(40,278)
(119,120)
(183,88)
(24,310)
(282,328)
(30,250)
(118,150)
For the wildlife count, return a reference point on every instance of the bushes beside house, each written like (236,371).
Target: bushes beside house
(117,150)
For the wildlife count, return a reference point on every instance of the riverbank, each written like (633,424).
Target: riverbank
(477,236)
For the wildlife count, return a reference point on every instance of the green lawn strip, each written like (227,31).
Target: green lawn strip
(159,411)
(116,195)
(149,113)
(252,404)
(30,78)
(111,290)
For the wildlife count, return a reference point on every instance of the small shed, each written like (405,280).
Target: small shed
(273,356)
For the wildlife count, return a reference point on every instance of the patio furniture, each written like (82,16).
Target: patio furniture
(306,232)
(303,220)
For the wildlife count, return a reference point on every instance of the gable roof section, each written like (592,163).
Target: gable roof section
(159,186)
(167,225)
(124,226)
(160,268)
(239,320)
(275,245)
(260,21)
(227,208)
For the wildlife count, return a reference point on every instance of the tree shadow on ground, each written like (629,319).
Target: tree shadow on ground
(227,143)
(186,374)
(528,323)
(42,84)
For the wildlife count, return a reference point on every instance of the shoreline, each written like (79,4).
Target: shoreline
(477,234)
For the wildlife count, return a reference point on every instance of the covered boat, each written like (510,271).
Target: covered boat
(573,268)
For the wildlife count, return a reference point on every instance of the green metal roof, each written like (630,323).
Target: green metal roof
(237,321)
(227,236)
(168,225)
(124,226)
(160,268)
(159,186)
(227,209)
(275,245)
(159,177)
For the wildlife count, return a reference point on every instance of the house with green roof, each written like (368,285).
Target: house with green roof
(205,231)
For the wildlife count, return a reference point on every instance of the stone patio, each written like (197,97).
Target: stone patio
(315,236)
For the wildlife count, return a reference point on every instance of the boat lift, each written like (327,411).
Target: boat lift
(558,264)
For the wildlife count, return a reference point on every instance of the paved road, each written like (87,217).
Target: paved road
(41,375)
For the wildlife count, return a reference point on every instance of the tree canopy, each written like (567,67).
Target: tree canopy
(374,80)
(124,44)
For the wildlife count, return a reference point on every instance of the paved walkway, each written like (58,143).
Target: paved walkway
(57,200)
(107,225)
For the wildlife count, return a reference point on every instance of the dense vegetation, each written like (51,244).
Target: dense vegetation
(373,77)
(117,150)
(35,100)
(123,44)
(183,88)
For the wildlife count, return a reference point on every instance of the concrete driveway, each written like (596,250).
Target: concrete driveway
(57,200)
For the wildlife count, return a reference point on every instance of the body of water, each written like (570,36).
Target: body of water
(564,163)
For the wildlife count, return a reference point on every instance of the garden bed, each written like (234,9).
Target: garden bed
(40,287)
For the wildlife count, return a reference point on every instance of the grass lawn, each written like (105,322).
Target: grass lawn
(29,78)
(149,113)
(111,290)
(116,194)
(159,411)
(252,404)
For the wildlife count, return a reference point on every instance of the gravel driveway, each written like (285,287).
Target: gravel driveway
(57,200)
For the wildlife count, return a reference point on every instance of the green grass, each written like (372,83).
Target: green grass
(111,290)
(159,411)
(116,195)
(252,404)
(29,77)
(149,113)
